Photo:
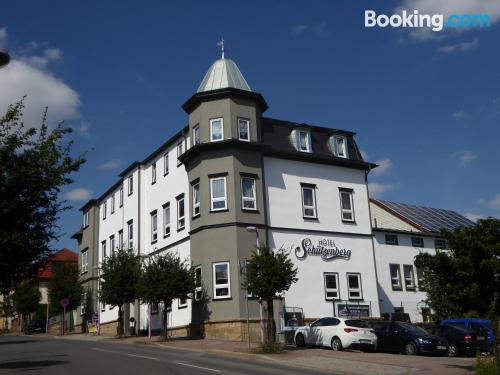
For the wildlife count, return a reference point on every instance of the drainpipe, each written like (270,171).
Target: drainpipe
(137,305)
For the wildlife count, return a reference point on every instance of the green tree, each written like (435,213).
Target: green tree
(120,276)
(465,280)
(164,279)
(65,284)
(35,163)
(26,299)
(269,274)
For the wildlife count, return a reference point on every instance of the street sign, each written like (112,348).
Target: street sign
(64,303)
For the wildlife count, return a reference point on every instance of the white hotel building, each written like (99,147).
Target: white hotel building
(304,189)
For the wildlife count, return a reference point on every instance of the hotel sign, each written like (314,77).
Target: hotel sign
(325,248)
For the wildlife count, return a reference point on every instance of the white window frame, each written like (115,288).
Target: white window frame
(248,199)
(154,226)
(153,173)
(180,151)
(221,129)
(121,196)
(218,199)
(181,220)
(196,135)
(120,239)
(181,305)
(85,261)
(395,280)
(393,236)
(222,286)
(344,210)
(196,200)
(86,219)
(411,279)
(331,290)
(83,303)
(104,209)
(308,147)
(166,219)
(354,290)
(335,146)
(165,164)
(112,203)
(198,290)
(103,250)
(111,244)
(313,207)
(130,184)
(246,122)
(130,234)
(420,239)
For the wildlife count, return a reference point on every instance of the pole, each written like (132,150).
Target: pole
(262,334)
(64,319)
(149,321)
(98,302)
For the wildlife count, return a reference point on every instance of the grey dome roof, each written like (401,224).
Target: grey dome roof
(223,74)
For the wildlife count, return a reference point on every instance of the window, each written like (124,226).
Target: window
(130,228)
(103,307)
(196,200)
(165,164)
(83,303)
(181,221)
(154,226)
(86,219)
(131,185)
(104,209)
(121,196)
(153,173)
(198,288)
(216,130)
(419,277)
(222,280)
(409,276)
(112,244)
(346,205)
(166,219)
(112,203)
(196,136)
(331,285)
(154,308)
(395,276)
(120,239)
(354,286)
(417,242)
(248,198)
(244,129)
(180,151)
(308,201)
(340,146)
(85,261)
(440,244)
(218,194)
(391,239)
(104,252)
(182,303)
(303,140)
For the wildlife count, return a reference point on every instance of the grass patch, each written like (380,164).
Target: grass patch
(487,366)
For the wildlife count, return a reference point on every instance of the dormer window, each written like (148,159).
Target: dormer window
(339,146)
(216,129)
(303,138)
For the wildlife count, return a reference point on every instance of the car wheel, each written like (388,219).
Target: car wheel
(452,350)
(410,348)
(299,340)
(337,344)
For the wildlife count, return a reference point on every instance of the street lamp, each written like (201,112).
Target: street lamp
(254,229)
(4,58)
(257,242)
(98,302)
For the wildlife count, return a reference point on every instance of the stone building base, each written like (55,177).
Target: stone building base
(233,330)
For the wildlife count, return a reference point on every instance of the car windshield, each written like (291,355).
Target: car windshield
(357,323)
(416,330)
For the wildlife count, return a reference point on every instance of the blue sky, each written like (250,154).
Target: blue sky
(427,108)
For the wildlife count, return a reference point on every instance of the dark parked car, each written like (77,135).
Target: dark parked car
(460,340)
(35,326)
(481,327)
(408,338)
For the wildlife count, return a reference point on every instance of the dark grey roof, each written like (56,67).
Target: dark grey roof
(430,219)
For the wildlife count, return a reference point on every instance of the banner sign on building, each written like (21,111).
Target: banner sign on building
(350,311)
(325,248)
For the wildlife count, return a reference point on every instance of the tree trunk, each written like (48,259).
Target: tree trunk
(119,328)
(165,322)
(271,325)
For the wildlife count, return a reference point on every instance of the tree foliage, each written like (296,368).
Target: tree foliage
(26,298)
(268,274)
(164,279)
(120,276)
(35,163)
(464,281)
(65,284)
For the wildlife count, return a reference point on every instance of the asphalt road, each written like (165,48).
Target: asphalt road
(43,355)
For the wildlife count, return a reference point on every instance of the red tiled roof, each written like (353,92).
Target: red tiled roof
(63,255)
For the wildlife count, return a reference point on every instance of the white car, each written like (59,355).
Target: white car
(337,333)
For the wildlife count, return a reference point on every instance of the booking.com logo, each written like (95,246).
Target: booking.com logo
(436,22)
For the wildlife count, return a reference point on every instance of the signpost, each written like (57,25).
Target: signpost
(64,303)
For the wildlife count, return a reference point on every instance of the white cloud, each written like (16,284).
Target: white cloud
(29,75)
(384,165)
(459,114)
(3,37)
(495,203)
(466,157)
(298,29)
(321,30)
(473,217)
(111,165)
(83,128)
(459,47)
(78,194)
(377,190)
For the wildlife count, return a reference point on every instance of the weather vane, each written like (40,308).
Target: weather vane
(221,45)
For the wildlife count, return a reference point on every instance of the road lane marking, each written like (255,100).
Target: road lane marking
(103,350)
(201,368)
(143,356)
